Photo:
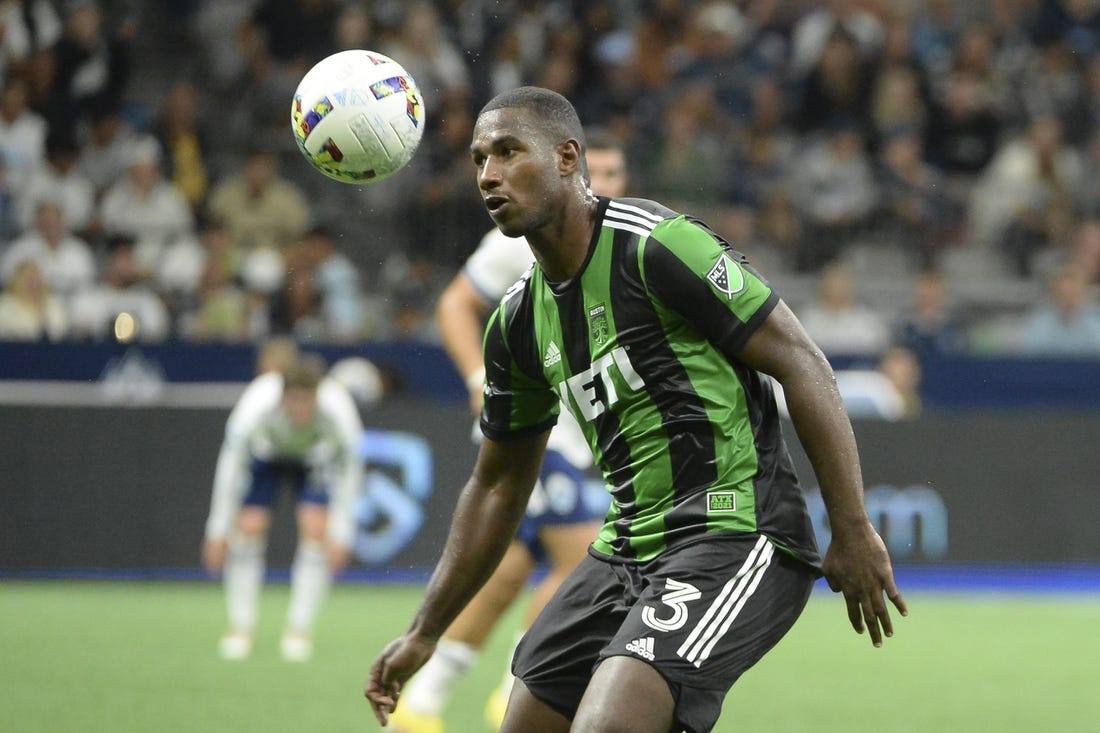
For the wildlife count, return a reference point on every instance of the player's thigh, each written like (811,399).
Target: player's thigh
(648,708)
(707,613)
(312,521)
(528,713)
(253,520)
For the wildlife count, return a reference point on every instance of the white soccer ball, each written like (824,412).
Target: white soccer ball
(357,116)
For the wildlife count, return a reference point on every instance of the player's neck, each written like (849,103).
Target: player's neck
(561,247)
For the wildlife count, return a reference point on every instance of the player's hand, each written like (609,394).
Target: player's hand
(394,666)
(858,566)
(213,555)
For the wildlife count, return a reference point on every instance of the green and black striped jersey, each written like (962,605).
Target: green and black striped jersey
(641,346)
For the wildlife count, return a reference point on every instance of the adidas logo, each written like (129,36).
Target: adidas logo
(553,355)
(642,647)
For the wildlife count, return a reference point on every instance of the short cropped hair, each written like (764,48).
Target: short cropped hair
(556,113)
(305,373)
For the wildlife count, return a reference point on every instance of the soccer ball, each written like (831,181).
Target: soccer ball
(357,116)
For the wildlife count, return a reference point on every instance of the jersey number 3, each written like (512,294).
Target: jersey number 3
(677,594)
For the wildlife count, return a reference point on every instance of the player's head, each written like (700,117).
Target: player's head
(606,163)
(528,146)
(276,354)
(300,381)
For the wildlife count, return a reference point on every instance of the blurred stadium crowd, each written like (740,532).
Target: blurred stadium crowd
(916,173)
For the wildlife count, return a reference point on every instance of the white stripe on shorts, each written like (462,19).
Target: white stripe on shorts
(723,611)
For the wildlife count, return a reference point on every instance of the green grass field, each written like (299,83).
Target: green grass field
(110,656)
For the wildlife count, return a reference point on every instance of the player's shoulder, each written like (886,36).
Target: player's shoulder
(643,215)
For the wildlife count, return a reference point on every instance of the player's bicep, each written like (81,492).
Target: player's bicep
(781,348)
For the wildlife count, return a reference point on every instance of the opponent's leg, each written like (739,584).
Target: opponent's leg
(563,545)
(626,695)
(243,577)
(425,697)
(310,579)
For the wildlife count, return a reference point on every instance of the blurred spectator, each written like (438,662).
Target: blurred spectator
(930,325)
(29,26)
(1067,323)
(258,207)
(1052,85)
(60,180)
(837,89)
(897,102)
(446,192)
(657,41)
(120,305)
(65,261)
(963,128)
(28,310)
(834,187)
(901,368)
(1024,199)
(296,308)
(221,312)
(831,19)
(290,33)
(688,162)
(915,210)
(1087,194)
(146,208)
(106,150)
(1086,249)
(180,274)
(337,279)
(181,137)
(22,150)
(427,53)
(92,57)
(936,27)
(838,323)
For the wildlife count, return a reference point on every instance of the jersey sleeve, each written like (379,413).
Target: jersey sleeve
(339,406)
(519,402)
(696,273)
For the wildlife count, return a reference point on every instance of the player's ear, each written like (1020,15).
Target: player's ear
(569,157)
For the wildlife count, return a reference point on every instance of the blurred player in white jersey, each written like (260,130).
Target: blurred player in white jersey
(558,526)
(292,427)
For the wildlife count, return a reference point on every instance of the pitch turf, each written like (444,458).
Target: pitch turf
(109,656)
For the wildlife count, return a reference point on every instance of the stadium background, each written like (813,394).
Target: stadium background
(988,496)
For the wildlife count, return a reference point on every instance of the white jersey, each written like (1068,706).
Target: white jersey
(258,428)
(497,263)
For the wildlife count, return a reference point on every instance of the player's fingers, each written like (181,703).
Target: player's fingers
(894,595)
(871,619)
(855,614)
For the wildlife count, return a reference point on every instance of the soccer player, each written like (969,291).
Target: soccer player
(558,525)
(657,336)
(291,427)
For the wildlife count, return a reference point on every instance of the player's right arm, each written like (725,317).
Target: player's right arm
(486,518)
(460,314)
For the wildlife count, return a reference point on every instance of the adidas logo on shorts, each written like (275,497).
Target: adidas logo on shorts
(642,647)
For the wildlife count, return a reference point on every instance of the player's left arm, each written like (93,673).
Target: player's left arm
(339,405)
(856,563)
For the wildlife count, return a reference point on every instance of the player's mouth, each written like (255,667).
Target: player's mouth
(495,204)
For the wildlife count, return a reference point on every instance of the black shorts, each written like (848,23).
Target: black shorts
(700,614)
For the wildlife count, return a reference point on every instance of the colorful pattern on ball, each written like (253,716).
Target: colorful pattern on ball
(396,85)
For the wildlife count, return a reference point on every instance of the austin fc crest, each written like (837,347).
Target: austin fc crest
(597,323)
